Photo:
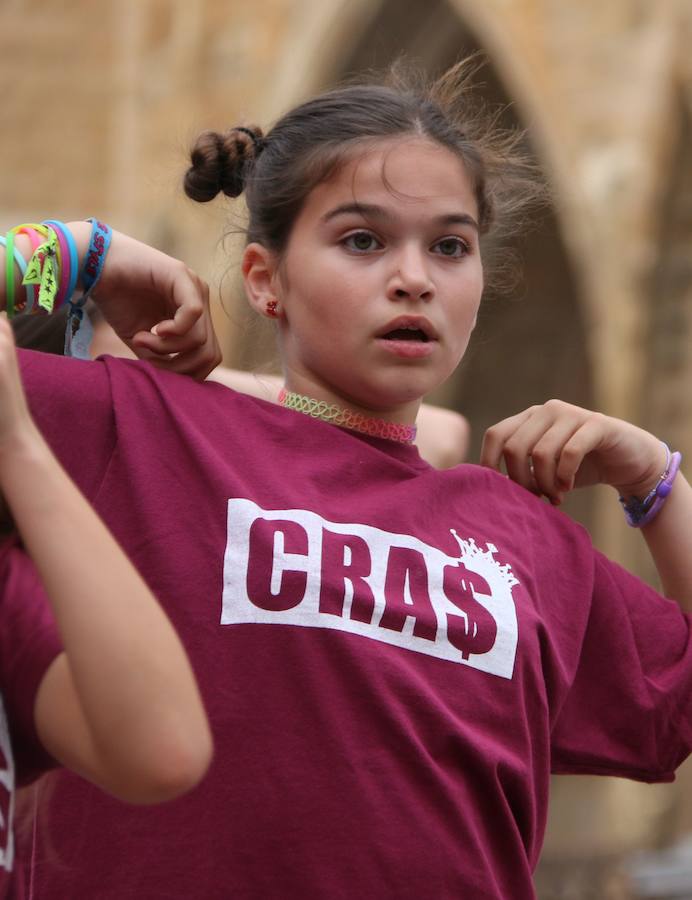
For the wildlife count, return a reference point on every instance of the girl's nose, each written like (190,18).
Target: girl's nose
(411,279)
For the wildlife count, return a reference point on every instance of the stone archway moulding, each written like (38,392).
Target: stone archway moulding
(495,35)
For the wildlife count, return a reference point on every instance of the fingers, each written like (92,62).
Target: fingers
(195,364)
(588,436)
(545,447)
(187,342)
(494,439)
(190,296)
(196,353)
(553,448)
(158,344)
(158,307)
(553,473)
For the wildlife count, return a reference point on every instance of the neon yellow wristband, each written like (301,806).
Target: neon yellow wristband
(44,266)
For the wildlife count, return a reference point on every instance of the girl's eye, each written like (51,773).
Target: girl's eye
(451,246)
(361,242)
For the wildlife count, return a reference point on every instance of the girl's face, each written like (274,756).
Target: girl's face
(380,283)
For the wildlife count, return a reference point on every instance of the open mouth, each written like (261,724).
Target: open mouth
(406,334)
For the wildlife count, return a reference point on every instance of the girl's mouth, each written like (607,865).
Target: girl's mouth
(406,334)
(407,343)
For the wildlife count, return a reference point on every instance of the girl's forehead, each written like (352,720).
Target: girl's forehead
(405,169)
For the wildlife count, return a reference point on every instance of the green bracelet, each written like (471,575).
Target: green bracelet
(9,274)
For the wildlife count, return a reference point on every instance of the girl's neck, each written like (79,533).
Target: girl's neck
(348,417)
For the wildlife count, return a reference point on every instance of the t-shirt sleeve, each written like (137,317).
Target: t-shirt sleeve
(29,642)
(71,402)
(628,710)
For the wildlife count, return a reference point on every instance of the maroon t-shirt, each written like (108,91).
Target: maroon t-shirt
(28,644)
(393,658)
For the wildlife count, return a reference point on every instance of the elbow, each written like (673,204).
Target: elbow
(178,765)
(184,768)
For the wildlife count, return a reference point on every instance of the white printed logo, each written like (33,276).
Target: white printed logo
(293,567)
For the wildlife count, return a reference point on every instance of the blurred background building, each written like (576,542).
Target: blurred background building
(102,100)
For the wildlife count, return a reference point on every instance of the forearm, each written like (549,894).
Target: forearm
(668,539)
(130,673)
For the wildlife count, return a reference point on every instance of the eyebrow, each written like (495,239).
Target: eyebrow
(371,210)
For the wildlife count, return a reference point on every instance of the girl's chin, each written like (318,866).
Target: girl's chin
(394,393)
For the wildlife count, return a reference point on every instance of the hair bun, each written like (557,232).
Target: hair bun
(221,162)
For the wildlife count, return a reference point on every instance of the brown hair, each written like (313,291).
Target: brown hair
(309,143)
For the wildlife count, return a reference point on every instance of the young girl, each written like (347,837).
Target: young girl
(393,658)
(120,709)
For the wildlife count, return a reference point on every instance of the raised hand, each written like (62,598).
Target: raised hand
(553,448)
(157,306)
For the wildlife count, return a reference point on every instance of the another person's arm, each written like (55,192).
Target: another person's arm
(120,706)
(443,436)
(553,448)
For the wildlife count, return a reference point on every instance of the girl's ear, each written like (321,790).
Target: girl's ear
(259,268)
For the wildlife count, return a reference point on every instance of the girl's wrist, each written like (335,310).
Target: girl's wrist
(641,488)
(640,510)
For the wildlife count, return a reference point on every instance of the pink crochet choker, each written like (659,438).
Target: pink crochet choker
(346,418)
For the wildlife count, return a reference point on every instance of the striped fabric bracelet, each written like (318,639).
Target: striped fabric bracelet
(78,331)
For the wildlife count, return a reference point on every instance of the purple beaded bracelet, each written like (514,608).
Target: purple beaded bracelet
(640,512)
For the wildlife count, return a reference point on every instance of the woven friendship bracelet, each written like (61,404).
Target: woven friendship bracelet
(640,512)
(78,330)
(101,236)
(346,418)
